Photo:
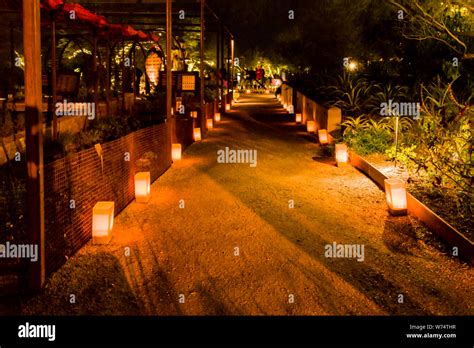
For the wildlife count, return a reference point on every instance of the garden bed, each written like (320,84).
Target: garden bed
(441,201)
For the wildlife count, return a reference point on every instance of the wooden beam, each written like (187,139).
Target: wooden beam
(34,138)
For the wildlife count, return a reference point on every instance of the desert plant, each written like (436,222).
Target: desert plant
(353,124)
(366,136)
(443,154)
(350,93)
(382,93)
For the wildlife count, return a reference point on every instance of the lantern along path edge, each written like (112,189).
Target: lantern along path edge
(416,208)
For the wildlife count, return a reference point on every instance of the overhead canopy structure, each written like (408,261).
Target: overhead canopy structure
(136,20)
(75,11)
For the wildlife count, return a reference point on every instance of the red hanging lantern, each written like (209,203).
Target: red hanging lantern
(154,37)
(141,35)
(52,4)
(153,66)
(77,11)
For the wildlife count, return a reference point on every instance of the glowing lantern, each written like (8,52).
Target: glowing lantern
(285,106)
(197,134)
(194,114)
(142,187)
(248,91)
(298,118)
(342,156)
(311,126)
(227,107)
(102,222)
(176,152)
(209,123)
(217,117)
(323,136)
(153,66)
(396,196)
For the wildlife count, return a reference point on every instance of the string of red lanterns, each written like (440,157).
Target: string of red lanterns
(81,13)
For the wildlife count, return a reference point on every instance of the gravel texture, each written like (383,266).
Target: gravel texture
(191,251)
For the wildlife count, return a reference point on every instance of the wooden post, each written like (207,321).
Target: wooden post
(34,138)
(95,74)
(232,53)
(223,100)
(12,60)
(107,76)
(201,69)
(218,62)
(54,78)
(169,65)
(134,65)
(228,68)
(123,76)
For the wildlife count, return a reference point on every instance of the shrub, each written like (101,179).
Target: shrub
(443,152)
(366,136)
(349,93)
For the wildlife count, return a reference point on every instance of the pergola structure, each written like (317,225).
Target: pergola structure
(147,16)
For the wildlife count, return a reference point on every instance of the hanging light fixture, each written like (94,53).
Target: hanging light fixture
(153,66)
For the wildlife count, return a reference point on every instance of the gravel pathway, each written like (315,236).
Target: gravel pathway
(238,247)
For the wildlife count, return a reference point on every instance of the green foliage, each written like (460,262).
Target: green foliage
(354,124)
(110,128)
(383,92)
(444,142)
(366,136)
(403,156)
(89,138)
(67,141)
(350,93)
(98,131)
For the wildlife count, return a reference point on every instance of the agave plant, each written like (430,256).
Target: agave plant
(385,92)
(350,93)
(354,124)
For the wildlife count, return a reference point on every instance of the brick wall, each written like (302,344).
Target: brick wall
(82,177)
